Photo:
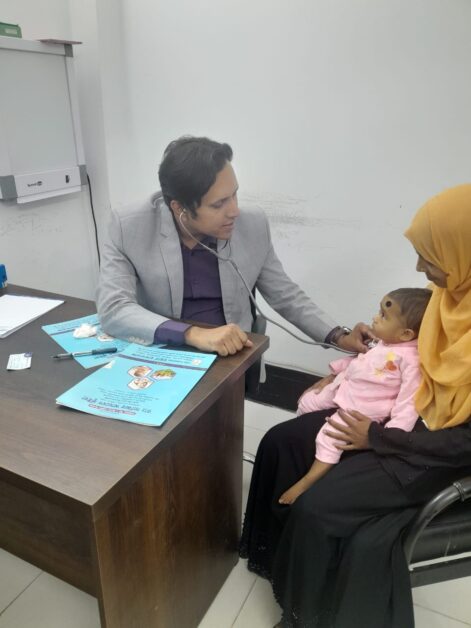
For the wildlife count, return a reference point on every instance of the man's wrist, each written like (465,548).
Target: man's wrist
(189,334)
(336,333)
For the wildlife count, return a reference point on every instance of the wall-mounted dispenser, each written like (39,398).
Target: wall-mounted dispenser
(41,152)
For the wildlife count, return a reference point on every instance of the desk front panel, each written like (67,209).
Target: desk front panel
(48,535)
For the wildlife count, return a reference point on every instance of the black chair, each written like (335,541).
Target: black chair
(246,457)
(439,535)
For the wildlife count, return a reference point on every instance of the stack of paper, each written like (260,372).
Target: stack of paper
(17,311)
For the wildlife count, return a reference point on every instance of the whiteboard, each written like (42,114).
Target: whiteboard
(39,125)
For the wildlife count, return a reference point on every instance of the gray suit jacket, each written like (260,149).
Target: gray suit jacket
(141,278)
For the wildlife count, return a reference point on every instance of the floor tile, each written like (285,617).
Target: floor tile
(425,618)
(451,598)
(15,576)
(225,608)
(260,609)
(264,417)
(51,603)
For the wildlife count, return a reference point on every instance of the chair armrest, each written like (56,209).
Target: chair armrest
(460,490)
(246,457)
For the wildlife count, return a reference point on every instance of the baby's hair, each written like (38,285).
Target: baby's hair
(412,303)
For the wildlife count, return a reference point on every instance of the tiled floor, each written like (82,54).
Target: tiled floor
(30,598)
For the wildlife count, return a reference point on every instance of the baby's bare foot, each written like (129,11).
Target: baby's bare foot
(291,495)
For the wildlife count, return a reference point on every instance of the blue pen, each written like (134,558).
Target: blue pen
(79,354)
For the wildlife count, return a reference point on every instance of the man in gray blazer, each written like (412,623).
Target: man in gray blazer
(159,266)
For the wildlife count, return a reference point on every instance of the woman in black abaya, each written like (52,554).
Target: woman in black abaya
(335,557)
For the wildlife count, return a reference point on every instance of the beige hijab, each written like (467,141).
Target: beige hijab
(441,233)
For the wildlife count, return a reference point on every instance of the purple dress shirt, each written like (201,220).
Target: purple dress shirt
(202,298)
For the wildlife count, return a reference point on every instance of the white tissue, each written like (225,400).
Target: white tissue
(84,331)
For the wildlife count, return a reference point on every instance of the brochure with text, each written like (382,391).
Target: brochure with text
(141,384)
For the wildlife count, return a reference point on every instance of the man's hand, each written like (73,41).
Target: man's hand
(357,340)
(319,385)
(225,340)
(354,434)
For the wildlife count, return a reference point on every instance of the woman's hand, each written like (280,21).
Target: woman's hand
(354,434)
(357,340)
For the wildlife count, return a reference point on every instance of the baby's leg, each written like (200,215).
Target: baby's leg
(326,449)
(326,456)
(318,470)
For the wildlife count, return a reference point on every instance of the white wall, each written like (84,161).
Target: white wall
(89,75)
(48,244)
(344,117)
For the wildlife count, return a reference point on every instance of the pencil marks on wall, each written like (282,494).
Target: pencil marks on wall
(292,218)
(28,223)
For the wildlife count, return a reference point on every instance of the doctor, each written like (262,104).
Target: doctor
(159,269)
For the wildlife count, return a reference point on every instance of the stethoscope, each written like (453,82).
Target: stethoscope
(232,263)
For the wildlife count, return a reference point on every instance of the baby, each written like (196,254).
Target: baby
(380,383)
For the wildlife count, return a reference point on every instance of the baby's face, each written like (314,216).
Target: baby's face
(389,325)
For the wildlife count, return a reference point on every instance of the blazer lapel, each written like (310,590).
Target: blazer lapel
(172,256)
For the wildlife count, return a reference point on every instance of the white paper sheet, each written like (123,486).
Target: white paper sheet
(17,311)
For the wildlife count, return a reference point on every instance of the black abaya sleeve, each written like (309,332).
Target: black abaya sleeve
(449,447)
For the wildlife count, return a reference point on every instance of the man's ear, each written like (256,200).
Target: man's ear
(407,334)
(176,207)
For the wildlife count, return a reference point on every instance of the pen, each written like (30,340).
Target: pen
(79,354)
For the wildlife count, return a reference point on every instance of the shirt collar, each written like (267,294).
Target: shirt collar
(209,241)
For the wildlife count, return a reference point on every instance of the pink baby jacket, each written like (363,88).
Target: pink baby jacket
(380,383)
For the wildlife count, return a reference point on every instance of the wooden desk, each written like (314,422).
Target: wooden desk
(146,519)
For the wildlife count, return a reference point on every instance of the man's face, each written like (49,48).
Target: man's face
(218,210)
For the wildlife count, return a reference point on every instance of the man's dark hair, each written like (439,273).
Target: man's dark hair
(412,303)
(189,168)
